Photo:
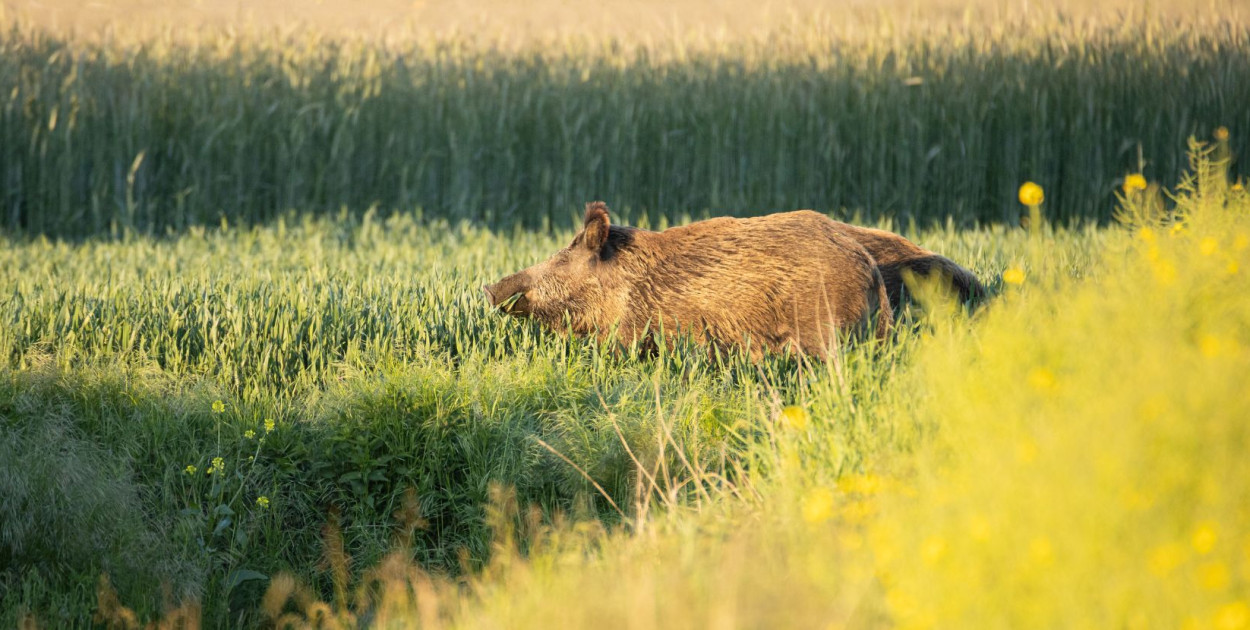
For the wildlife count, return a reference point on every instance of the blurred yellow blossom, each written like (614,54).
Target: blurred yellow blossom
(1134,182)
(933,550)
(794,418)
(818,505)
(1208,246)
(249,434)
(1042,379)
(262,501)
(1204,537)
(191,470)
(269,425)
(1146,234)
(1221,133)
(219,465)
(218,406)
(1233,616)
(1213,576)
(1031,194)
(1041,552)
(1165,558)
(1013,276)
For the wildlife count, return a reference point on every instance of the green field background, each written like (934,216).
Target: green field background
(149,135)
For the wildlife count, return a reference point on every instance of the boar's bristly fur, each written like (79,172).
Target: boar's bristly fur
(786,282)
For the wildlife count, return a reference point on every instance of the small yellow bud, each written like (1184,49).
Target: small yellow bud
(1134,182)
(1013,276)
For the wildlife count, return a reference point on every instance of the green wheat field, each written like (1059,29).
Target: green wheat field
(248,377)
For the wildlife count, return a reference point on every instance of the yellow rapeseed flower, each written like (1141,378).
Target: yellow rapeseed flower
(1042,379)
(1213,576)
(1031,194)
(1221,133)
(249,434)
(269,425)
(933,550)
(262,501)
(1210,346)
(818,505)
(219,465)
(1041,552)
(794,418)
(1013,276)
(191,470)
(1239,187)
(1208,246)
(1165,558)
(218,406)
(1146,234)
(1136,181)
(1233,616)
(1177,229)
(1204,537)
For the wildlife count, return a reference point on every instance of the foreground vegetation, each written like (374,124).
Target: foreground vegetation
(1069,456)
(156,133)
(244,382)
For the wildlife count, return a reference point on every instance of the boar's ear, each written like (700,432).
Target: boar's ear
(595,231)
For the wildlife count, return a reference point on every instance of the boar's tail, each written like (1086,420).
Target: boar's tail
(963,282)
(885,314)
(970,290)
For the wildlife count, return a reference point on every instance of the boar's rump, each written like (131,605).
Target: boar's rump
(787,282)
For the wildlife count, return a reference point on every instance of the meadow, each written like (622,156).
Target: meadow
(247,375)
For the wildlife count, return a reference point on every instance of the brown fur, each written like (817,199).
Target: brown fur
(788,281)
(896,255)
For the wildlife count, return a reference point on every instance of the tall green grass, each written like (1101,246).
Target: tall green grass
(369,346)
(158,133)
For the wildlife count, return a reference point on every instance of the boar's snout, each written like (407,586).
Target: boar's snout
(509,293)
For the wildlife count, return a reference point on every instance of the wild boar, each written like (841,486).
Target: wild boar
(896,255)
(786,282)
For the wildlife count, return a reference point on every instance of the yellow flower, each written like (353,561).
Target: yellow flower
(1177,229)
(1208,246)
(262,501)
(219,465)
(818,505)
(1165,558)
(1221,133)
(1210,346)
(1146,234)
(933,550)
(1239,187)
(1213,576)
(1013,276)
(1031,194)
(268,425)
(1233,616)
(1040,551)
(191,470)
(1042,379)
(218,406)
(1204,537)
(249,434)
(1134,182)
(793,417)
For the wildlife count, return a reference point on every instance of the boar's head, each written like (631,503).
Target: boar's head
(574,285)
